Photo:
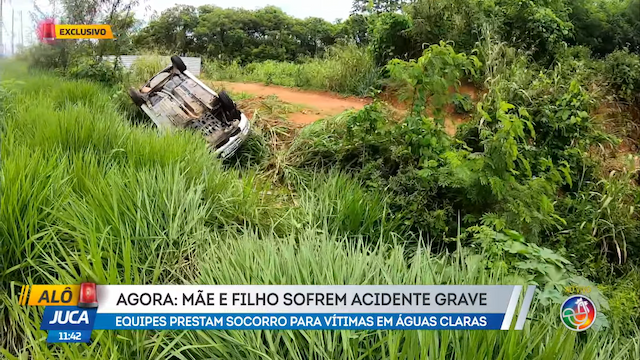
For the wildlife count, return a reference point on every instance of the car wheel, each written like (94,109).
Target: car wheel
(178,63)
(136,97)
(227,104)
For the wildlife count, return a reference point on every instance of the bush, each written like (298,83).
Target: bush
(390,37)
(605,26)
(426,81)
(102,71)
(623,71)
(386,157)
(541,27)
(46,57)
(75,60)
(624,302)
(462,103)
(457,21)
(523,163)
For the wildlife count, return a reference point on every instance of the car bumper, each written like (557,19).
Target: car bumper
(234,143)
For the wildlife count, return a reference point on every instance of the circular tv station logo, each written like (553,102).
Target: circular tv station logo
(578,313)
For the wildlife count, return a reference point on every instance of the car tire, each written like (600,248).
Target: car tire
(227,104)
(177,63)
(136,96)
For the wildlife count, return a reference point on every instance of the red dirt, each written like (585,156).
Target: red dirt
(317,104)
(320,104)
(451,118)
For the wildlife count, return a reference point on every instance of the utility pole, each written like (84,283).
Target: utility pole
(13,35)
(1,31)
(21,32)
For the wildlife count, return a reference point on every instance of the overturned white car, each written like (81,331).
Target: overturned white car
(176,98)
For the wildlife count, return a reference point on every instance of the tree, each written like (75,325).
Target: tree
(172,31)
(377,6)
(355,28)
(315,34)
(390,38)
(237,34)
(605,26)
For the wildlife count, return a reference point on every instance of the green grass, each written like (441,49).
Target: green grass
(146,66)
(84,195)
(247,258)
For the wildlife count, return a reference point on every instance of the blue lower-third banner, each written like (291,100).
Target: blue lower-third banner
(298,321)
(72,312)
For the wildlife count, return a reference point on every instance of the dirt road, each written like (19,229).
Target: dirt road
(316,104)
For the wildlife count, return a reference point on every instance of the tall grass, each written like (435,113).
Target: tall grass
(145,66)
(84,195)
(314,257)
(73,171)
(345,69)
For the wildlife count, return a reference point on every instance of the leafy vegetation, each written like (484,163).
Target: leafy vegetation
(539,187)
(344,68)
(125,206)
(623,70)
(523,167)
(267,45)
(543,27)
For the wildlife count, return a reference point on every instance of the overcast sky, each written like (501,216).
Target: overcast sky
(329,10)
